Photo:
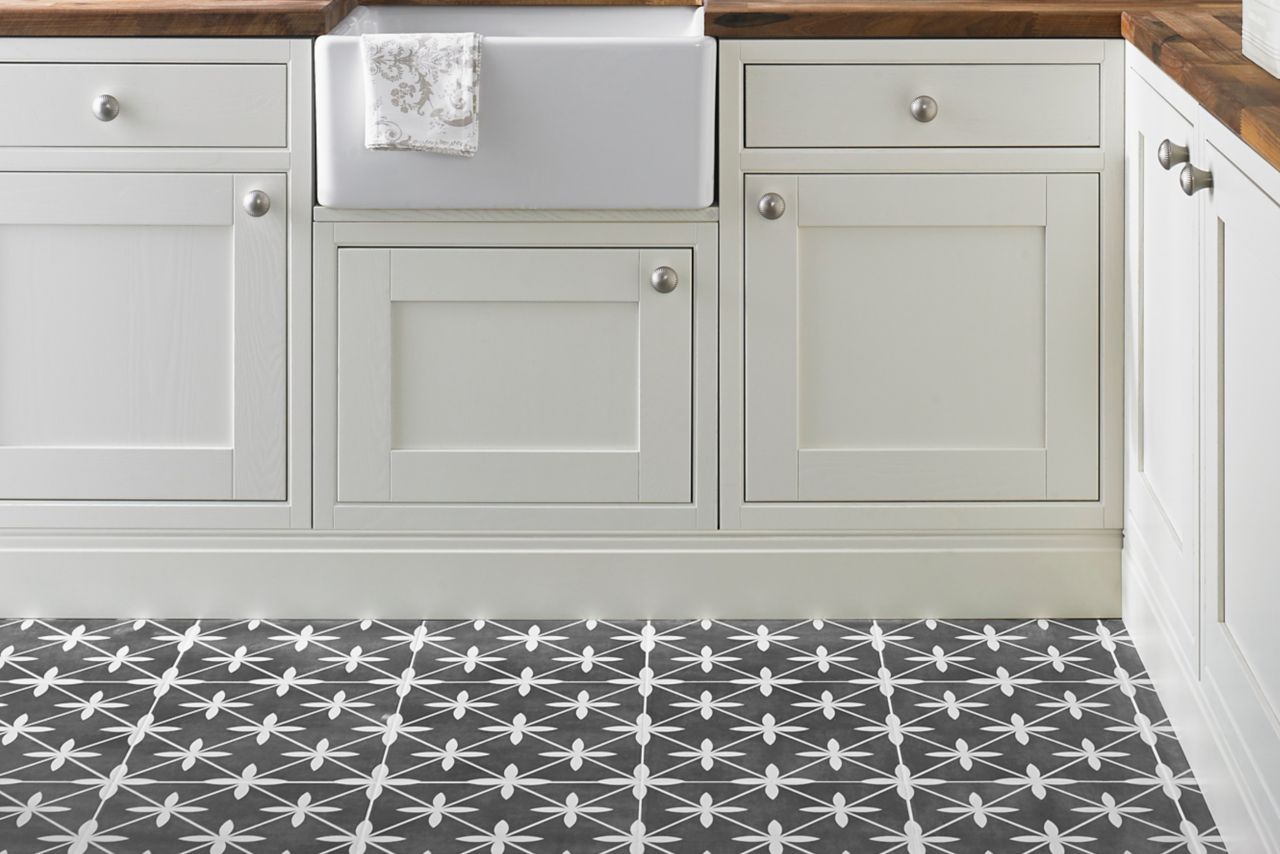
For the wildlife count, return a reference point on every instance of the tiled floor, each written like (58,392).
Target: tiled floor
(677,737)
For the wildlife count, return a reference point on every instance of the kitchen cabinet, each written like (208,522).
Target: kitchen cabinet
(154,284)
(922,308)
(142,336)
(525,375)
(513,386)
(921,337)
(1204,411)
(1163,310)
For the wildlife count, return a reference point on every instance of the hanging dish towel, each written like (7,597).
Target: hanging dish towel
(422,92)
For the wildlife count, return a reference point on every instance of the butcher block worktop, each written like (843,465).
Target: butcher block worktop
(297,18)
(967,19)
(1200,50)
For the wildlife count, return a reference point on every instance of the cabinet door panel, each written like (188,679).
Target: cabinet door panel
(142,338)
(513,375)
(1242,259)
(1163,339)
(922,338)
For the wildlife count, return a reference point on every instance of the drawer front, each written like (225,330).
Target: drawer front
(870,106)
(169,105)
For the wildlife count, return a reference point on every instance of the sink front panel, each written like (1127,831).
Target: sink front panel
(580,122)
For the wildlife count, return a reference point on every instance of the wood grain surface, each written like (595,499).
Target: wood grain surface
(923,18)
(1200,49)
(217,17)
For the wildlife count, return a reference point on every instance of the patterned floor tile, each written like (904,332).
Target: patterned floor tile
(587,737)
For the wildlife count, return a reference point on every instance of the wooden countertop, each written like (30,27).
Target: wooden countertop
(297,18)
(1200,49)
(924,18)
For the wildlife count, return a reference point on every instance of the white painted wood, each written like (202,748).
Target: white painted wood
(364,375)
(532,476)
(1207,739)
(214,106)
(963,160)
(119,473)
(260,342)
(739,164)
(513,375)
(665,357)
(323,214)
(100,212)
(608,416)
(1071,345)
(772,330)
(1164,301)
(318,574)
(127,298)
(1199,600)
(1239,667)
(855,106)
(909,329)
(923,51)
(179,50)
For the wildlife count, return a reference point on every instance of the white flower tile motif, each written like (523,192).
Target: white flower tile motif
(587,737)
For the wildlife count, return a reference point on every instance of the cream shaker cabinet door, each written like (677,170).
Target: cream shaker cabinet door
(1242,584)
(921,337)
(504,375)
(142,336)
(1163,316)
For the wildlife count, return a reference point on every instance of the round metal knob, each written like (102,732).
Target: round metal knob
(1170,154)
(664,280)
(1194,180)
(105,108)
(924,109)
(256,203)
(771,206)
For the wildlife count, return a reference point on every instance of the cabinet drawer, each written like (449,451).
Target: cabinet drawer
(198,106)
(868,106)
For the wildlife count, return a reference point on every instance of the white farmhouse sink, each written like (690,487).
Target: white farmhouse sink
(580,107)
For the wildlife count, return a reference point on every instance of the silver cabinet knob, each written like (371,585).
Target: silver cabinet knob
(256,203)
(664,280)
(1170,154)
(105,108)
(1194,180)
(924,109)
(771,206)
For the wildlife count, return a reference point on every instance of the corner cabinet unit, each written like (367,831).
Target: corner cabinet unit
(149,237)
(922,305)
(515,376)
(1204,413)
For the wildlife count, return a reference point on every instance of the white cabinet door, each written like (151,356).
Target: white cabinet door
(513,375)
(1242,584)
(1163,296)
(922,338)
(142,337)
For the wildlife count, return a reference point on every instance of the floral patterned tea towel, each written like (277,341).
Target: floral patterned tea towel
(422,92)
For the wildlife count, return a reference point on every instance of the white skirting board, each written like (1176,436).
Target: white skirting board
(316,575)
(1219,776)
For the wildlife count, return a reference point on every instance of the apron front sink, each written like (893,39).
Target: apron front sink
(580,107)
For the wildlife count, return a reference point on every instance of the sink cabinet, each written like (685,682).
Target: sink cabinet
(492,386)
(922,338)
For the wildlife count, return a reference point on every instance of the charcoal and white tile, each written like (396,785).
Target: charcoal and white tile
(587,737)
